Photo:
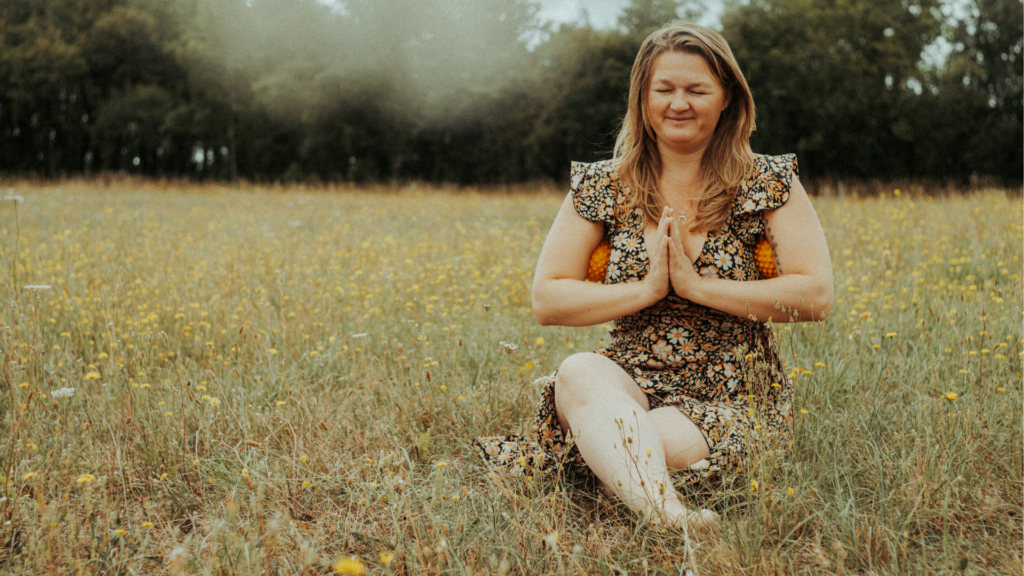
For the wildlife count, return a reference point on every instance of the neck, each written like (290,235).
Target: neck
(680,172)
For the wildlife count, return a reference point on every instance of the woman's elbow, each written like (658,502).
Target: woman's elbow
(821,305)
(541,309)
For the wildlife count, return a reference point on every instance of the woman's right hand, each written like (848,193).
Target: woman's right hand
(656,284)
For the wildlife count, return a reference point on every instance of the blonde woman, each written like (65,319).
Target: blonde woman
(683,203)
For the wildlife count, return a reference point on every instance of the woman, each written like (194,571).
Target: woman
(683,203)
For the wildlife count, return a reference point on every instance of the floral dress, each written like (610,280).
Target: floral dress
(721,371)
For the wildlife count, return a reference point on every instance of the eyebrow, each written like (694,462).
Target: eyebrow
(667,81)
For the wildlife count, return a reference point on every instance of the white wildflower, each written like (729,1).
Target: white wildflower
(63,393)
(360,335)
(38,287)
(14,197)
(178,558)
(509,347)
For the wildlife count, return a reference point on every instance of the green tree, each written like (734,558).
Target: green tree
(835,81)
(641,17)
(981,83)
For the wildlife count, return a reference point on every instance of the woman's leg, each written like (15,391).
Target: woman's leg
(608,414)
(685,445)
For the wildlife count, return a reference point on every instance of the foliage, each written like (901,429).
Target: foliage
(479,91)
(276,380)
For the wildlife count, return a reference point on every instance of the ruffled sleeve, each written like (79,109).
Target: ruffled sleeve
(767,187)
(594,191)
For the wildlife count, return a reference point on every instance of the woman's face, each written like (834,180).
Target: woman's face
(684,102)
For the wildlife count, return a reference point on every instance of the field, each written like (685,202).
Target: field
(287,380)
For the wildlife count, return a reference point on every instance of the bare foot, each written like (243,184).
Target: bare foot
(679,517)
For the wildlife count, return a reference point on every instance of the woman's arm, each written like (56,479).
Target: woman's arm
(562,296)
(803,289)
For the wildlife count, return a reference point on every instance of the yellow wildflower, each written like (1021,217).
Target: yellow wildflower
(348,566)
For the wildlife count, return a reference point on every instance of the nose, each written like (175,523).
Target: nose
(680,102)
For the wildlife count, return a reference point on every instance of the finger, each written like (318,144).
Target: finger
(663,250)
(677,237)
(666,220)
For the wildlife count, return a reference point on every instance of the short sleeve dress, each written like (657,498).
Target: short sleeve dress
(722,372)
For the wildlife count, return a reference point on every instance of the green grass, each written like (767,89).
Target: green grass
(269,380)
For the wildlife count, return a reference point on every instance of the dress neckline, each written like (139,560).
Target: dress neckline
(646,257)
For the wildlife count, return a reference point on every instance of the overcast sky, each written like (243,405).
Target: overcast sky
(601,13)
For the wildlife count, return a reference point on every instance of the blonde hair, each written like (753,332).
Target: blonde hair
(728,157)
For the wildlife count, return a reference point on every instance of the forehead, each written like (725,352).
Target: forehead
(677,67)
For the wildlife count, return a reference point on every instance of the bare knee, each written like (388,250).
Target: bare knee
(576,372)
(585,376)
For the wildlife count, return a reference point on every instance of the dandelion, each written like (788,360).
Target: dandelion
(540,341)
(789,491)
(120,532)
(803,411)
(951,396)
(29,475)
(307,484)
(348,566)
(147,524)
(442,464)
(92,376)
(508,347)
(890,335)
(386,557)
(753,485)
(85,479)
(214,402)
(302,458)
(63,393)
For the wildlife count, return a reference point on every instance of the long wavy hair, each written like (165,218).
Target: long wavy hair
(728,157)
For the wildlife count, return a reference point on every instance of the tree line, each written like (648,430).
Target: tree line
(478,91)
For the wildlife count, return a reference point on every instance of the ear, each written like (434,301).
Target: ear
(728,100)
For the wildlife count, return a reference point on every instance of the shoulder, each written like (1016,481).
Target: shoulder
(767,184)
(595,190)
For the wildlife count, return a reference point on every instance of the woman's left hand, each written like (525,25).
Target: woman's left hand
(684,278)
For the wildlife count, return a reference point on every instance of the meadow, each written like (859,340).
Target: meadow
(201,379)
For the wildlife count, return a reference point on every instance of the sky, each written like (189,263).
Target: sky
(601,13)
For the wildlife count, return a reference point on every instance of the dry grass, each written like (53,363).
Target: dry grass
(270,380)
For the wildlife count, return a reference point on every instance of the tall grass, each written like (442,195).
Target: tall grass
(274,380)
